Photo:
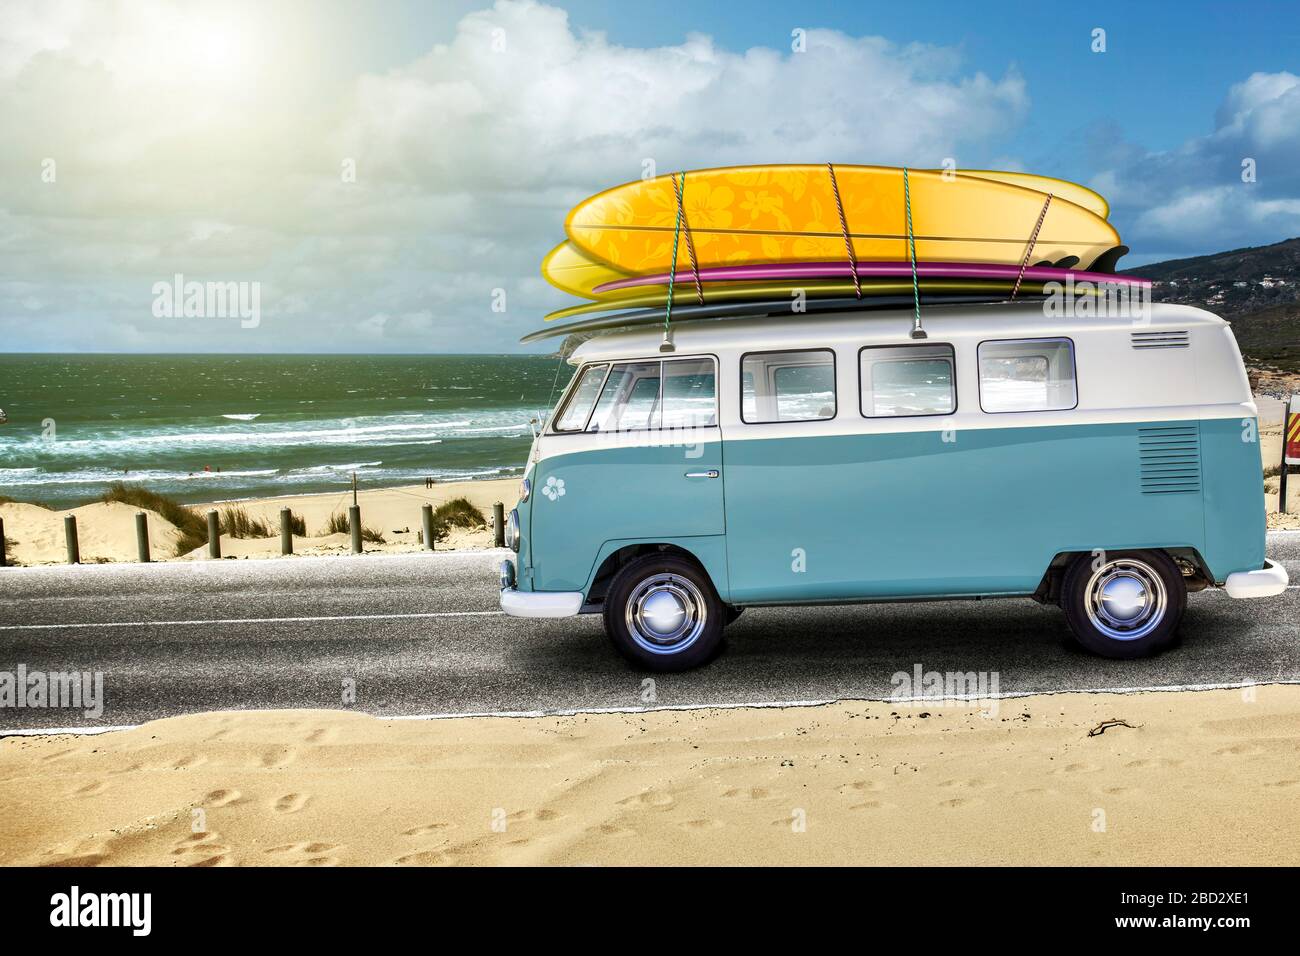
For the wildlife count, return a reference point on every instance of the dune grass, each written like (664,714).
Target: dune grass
(192,525)
(338,524)
(456,513)
(238,523)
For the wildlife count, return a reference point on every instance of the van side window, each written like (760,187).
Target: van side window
(689,394)
(1027,375)
(573,416)
(787,386)
(901,380)
(677,393)
(630,398)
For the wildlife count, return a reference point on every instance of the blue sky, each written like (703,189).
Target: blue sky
(206,139)
(1165,72)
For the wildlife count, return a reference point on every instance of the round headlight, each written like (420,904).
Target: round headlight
(525,489)
(512,530)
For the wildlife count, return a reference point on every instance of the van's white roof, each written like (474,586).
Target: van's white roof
(872,327)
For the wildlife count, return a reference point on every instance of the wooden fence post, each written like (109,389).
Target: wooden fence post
(214,535)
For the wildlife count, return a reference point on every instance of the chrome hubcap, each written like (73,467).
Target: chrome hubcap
(665,614)
(1126,599)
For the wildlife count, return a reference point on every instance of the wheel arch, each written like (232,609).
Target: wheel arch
(1196,572)
(707,552)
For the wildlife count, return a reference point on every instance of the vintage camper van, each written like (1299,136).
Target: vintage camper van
(1105,465)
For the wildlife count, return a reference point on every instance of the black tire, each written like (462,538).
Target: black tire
(673,582)
(732,613)
(1145,587)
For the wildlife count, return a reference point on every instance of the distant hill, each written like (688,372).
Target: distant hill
(1257,289)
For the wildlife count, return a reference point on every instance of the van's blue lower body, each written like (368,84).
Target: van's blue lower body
(906,515)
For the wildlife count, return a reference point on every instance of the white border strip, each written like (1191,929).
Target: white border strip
(740,705)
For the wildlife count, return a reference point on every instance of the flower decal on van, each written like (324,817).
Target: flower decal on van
(554,488)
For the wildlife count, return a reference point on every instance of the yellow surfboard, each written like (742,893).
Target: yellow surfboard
(684,294)
(1062,189)
(570,270)
(750,214)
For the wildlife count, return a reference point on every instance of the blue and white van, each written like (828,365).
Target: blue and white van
(1109,467)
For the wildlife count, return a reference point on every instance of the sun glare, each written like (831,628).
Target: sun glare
(215,52)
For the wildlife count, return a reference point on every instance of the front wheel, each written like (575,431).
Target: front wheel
(1124,604)
(662,613)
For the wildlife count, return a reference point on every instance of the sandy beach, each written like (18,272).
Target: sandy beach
(1184,778)
(107,531)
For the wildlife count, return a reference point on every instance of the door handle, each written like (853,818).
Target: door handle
(711,473)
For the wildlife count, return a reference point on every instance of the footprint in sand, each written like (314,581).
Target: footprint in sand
(1239,750)
(610,829)
(956,802)
(650,798)
(1285,784)
(754,793)
(208,848)
(188,761)
(291,802)
(304,854)
(309,849)
(90,789)
(868,805)
(426,830)
(422,858)
(976,784)
(202,849)
(274,759)
(702,825)
(222,798)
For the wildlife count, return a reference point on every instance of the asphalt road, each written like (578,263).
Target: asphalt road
(422,635)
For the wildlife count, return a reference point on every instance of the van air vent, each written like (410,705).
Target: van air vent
(1160,340)
(1169,459)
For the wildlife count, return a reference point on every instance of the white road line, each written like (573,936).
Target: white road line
(250,620)
(741,705)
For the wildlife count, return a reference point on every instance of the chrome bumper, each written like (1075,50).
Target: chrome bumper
(518,603)
(1269,580)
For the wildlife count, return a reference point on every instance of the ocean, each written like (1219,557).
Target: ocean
(218,427)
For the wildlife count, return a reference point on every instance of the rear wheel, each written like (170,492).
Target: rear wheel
(1124,604)
(662,613)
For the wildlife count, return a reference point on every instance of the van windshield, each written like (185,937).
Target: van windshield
(573,415)
(634,396)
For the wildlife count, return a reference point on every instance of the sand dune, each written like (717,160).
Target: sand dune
(1194,778)
(105,532)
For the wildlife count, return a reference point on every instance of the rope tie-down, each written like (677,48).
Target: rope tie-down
(844,228)
(917,331)
(667,344)
(1029,251)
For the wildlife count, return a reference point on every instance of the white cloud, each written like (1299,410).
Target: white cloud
(1193,199)
(466,161)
